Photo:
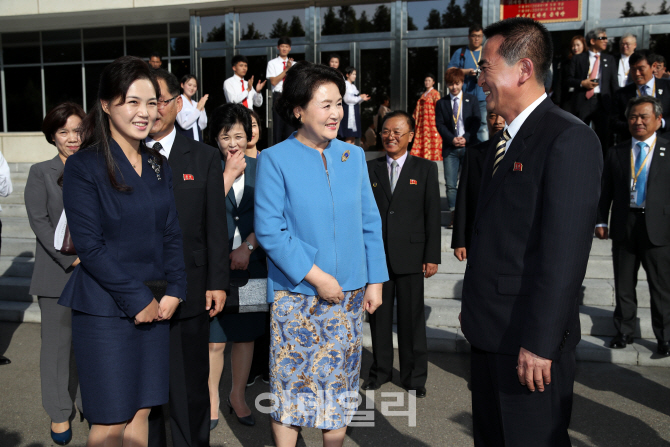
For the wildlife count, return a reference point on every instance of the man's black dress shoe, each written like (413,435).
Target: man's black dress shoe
(4,360)
(420,391)
(663,348)
(373,384)
(621,340)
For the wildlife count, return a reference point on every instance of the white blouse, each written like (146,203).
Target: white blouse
(351,98)
(189,115)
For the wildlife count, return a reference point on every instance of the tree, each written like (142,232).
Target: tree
(382,19)
(279,29)
(217,34)
(296,29)
(434,20)
(630,11)
(332,24)
(348,17)
(473,11)
(453,16)
(364,24)
(252,33)
(664,8)
(410,24)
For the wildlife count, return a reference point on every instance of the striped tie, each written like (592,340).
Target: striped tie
(500,151)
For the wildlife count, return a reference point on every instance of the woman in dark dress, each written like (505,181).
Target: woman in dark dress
(117,195)
(231,129)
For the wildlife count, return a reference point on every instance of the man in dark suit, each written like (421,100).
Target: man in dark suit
(636,184)
(200,199)
(457,118)
(593,75)
(531,239)
(407,193)
(468,187)
(642,65)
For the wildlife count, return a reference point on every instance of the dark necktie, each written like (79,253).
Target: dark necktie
(500,150)
(159,147)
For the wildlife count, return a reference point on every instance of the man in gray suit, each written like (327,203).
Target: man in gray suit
(5,190)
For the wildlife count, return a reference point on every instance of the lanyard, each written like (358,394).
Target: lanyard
(623,67)
(642,165)
(473,57)
(458,114)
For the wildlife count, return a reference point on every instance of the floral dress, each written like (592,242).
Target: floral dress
(427,142)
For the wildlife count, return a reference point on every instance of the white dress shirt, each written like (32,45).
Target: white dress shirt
(189,115)
(459,126)
(166,143)
(238,191)
(275,67)
(624,69)
(351,98)
(401,162)
(515,125)
(235,89)
(5,181)
(592,60)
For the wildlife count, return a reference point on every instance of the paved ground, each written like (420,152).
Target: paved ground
(614,405)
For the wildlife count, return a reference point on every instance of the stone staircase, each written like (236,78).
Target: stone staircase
(442,291)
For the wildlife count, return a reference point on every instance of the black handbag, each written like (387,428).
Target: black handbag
(157,287)
(247,295)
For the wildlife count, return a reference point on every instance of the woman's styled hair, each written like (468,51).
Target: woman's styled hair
(349,70)
(58,116)
(225,117)
(582,40)
(431,76)
(188,77)
(453,76)
(257,117)
(299,85)
(115,81)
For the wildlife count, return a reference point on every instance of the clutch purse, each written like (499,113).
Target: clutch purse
(62,238)
(158,288)
(68,246)
(247,295)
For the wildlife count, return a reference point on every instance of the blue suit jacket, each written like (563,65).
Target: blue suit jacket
(122,238)
(444,120)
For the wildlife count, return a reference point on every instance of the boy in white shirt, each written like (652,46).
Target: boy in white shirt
(239,91)
(275,73)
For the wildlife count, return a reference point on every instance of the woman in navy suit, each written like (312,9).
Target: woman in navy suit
(118,200)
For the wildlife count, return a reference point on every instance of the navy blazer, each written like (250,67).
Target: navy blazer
(243,216)
(625,94)
(122,238)
(609,83)
(531,238)
(444,120)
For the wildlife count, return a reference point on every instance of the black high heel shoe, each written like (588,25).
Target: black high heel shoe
(246,420)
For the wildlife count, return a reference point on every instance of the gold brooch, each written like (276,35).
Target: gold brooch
(345,156)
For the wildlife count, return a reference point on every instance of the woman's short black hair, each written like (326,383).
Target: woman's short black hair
(188,77)
(432,76)
(257,117)
(225,117)
(57,118)
(299,85)
(349,70)
(333,56)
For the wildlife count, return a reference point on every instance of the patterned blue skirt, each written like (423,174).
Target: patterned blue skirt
(315,359)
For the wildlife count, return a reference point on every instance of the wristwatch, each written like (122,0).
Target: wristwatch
(251,247)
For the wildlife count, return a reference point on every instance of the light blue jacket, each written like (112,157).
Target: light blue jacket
(305,215)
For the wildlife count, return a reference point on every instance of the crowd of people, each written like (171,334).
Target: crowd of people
(173,238)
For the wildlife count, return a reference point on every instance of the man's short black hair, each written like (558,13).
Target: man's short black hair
(174,88)
(284,40)
(524,38)
(299,85)
(642,55)
(474,28)
(400,113)
(155,54)
(239,58)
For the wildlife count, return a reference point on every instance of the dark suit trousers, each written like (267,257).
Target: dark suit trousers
(189,390)
(627,256)
(593,111)
(507,414)
(412,347)
(281,130)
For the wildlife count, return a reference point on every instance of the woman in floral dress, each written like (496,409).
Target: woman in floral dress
(427,142)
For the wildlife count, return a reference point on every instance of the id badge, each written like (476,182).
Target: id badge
(633,198)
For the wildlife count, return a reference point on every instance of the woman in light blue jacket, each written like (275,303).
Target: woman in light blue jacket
(318,222)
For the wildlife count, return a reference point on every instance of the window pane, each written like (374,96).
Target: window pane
(92,72)
(436,14)
(62,83)
(21,48)
(375,80)
(179,39)
(213,72)
(103,43)
(421,61)
(272,24)
(344,58)
(23,86)
(257,69)
(181,67)
(213,28)
(355,19)
(142,40)
(61,46)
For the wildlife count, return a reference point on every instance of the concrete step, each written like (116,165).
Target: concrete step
(17,227)
(18,246)
(13,210)
(17,312)
(13,198)
(16,266)
(19,168)
(15,289)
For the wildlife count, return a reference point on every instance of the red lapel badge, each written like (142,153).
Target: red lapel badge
(518,166)
(188,177)
(412,182)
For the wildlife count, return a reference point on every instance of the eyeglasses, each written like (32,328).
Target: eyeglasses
(396,135)
(164,103)
(601,38)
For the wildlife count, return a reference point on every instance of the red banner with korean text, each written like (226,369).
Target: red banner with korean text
(545,11)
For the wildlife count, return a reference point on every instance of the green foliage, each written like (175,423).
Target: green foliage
(455,15)
(252,33)
(217,34)
(630,11)
(344,21)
